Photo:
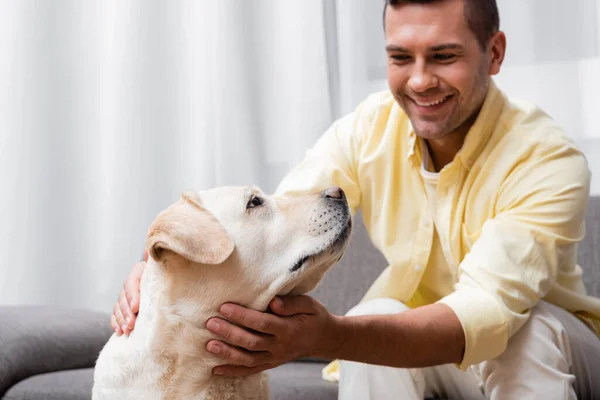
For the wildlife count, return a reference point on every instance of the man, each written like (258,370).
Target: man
(476,201)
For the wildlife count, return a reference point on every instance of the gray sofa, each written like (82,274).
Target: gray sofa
(48,353)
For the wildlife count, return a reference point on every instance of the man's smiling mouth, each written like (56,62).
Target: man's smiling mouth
(431,103)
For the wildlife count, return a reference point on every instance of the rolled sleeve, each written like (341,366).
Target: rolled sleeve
(483,322)
(501,279)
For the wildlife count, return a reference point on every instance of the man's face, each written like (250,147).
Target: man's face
(437,71)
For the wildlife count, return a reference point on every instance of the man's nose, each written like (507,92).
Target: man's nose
(333,193)
(422,78)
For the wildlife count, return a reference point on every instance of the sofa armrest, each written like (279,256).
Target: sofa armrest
(36,340)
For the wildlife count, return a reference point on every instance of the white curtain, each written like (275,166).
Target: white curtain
(109,109)
(553,59)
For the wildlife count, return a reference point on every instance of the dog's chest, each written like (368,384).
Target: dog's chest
(123,371)
(253,387)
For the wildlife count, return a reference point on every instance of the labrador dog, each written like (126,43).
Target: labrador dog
(230,244)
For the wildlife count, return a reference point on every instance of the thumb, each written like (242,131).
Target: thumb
(145,255)
(286,306)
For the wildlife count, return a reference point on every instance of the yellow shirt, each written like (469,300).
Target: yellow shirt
(509,209)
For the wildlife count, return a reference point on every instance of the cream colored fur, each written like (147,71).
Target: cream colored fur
(205,250)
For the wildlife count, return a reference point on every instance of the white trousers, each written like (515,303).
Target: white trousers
(553,356)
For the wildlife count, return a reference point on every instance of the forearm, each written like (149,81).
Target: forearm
(425,336)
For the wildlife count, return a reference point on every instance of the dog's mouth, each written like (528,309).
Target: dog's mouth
(337,245)
(299,264)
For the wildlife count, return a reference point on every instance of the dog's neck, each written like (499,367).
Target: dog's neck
(172,339)
(171,328)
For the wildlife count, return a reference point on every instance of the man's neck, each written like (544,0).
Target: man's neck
(443,150)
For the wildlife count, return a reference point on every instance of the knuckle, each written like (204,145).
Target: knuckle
(264,324)
(251,344)
(226,353)
(227,333)
(117,312)
(240,316)
(248,361)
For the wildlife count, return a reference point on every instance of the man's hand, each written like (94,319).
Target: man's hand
(128,303)
(300,326)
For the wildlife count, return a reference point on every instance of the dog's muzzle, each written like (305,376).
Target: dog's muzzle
(332,212)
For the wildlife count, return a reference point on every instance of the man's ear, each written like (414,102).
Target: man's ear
(190,230)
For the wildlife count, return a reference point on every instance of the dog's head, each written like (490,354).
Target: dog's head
(247,246)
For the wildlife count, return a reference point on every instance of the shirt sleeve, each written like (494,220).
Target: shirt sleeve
(331,162)
(515,260)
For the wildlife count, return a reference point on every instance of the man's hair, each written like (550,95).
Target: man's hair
(481,15)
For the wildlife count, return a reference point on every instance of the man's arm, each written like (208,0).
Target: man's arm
(422,337)
(301,326)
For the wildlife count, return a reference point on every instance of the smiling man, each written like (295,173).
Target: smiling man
(476,201)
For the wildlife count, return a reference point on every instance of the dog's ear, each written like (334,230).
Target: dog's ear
(190,230)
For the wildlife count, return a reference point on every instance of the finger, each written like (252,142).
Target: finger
(237,371)
(237,356)
(145,255)
(237,336)
(291,305)
(124,307)
(128,316)
(119,319)
(132,286)
(256,320)
(114,325)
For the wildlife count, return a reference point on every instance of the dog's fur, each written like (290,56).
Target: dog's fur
(207,249)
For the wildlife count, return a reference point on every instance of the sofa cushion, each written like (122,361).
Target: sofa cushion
(299,381)
(63,385)
(36,340)
(293,381)
(588,254)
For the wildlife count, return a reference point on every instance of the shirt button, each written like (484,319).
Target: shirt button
(418,268)
(426,222)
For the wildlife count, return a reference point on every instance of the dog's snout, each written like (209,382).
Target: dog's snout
(333,193)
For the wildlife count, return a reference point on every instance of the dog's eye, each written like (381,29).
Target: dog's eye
(254,202)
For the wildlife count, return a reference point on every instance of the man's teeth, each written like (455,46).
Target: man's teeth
(433,103)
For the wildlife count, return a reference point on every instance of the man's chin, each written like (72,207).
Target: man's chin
(430,131)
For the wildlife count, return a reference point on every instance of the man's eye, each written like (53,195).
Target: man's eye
(444,57)
(400,57)
(254,202)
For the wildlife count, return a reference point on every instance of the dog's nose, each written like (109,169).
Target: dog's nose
(333,193)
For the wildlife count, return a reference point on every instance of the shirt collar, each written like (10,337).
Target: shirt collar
(478,135)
